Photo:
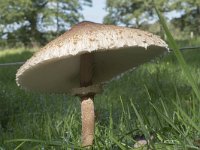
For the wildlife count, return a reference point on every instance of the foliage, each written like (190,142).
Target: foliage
(189,19)
(26,21)
(132,12)
(140,14)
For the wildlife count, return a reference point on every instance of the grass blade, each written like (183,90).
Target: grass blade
(145,131)
(178,54)
(52,143)
(22,143)
(168,120)
(117,143)
(188,118)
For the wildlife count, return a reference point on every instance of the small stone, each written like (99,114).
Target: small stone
(140,143)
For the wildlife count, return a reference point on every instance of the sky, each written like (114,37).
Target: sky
(96,12)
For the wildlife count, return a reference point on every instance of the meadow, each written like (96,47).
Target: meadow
(155,100)
(158,101)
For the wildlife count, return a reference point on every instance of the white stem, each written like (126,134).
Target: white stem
(88,119)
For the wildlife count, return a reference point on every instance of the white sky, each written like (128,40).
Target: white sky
(95,13)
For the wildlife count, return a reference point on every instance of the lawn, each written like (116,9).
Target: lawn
(155,100)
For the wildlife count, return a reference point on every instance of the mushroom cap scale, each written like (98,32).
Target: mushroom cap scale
(56,67)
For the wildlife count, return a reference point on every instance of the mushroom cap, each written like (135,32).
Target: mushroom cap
(56,67)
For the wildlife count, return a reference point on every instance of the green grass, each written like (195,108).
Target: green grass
(155,99)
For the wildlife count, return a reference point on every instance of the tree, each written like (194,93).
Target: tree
(132,12)
(138,12)
(28,20)
(189,20)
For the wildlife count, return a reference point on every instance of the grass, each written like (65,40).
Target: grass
(156,99)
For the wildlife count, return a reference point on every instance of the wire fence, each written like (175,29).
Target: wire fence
(21,63)
(11,64)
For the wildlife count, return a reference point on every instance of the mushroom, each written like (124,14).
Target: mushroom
(83,58)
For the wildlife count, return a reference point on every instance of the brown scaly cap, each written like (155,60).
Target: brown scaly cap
(55,68)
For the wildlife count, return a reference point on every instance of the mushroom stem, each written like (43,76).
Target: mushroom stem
(87,105)
(87,112)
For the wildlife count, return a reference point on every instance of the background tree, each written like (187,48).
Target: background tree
(141,14)
(132,12)
(27,20)
(189,20)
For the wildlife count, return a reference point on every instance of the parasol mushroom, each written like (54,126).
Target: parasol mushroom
(83,58)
